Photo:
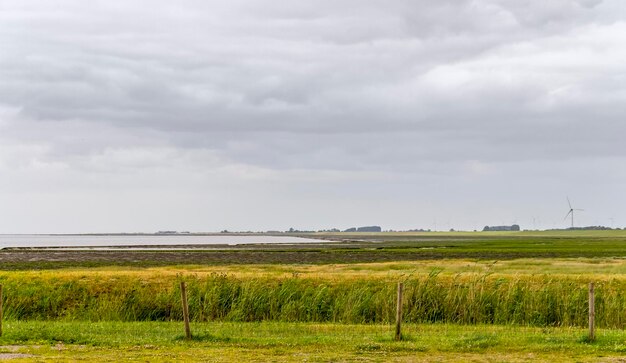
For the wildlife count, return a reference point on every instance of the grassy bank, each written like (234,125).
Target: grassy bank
(432,295)
(297,342)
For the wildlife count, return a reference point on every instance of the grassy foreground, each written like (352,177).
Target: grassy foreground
(297,342)
(451,291)
(506,297)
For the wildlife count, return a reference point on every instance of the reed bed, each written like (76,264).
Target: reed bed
(532,300)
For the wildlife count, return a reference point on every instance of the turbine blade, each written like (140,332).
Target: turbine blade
(568,213)
(568,202)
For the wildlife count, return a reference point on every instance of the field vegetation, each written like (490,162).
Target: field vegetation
(460,292)
(299,342)
(455,308)
(345,248)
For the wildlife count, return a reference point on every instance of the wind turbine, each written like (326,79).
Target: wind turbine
(571,211)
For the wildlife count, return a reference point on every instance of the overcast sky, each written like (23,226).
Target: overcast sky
(124,116)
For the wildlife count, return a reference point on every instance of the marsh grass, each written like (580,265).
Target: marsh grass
(533,300)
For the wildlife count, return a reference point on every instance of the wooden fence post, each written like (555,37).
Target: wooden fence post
(1,307)
(592,312)
(399,312)
(183,293)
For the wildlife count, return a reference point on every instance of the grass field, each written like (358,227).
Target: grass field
(468,297)
(298,342)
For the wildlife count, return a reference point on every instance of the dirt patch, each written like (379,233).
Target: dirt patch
(8,352)
(7,356)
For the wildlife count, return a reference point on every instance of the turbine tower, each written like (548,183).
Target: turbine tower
(571,211)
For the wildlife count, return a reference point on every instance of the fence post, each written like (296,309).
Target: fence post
(183,293)
(1,307)
(399,312)
(592,311)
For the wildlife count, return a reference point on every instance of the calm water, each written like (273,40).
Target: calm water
(25,240)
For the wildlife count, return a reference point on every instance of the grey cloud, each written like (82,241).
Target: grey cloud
(241,75)
(415,92)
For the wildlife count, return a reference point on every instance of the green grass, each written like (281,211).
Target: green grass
(435,297)
(468,297)
(271,341)
(479,234)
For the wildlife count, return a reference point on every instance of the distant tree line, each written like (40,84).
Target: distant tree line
(588,228)
(364,229)
(514,227)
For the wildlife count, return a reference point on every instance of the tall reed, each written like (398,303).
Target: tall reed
(463,298)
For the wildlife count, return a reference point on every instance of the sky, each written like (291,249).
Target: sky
(139,116)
